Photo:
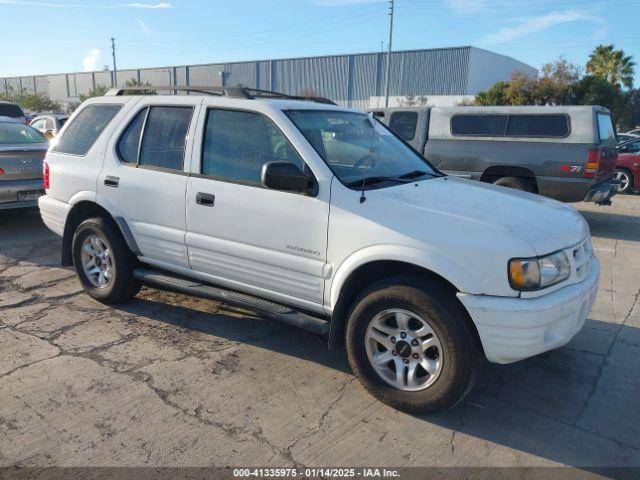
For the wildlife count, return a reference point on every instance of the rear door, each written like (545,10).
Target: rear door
(608,147)
(144,178)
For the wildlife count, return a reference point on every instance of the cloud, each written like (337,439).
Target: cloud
(148,5)
(90,60)
(536,24)
(35,3)
(144,28)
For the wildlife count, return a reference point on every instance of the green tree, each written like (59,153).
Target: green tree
(496,95)
(132,82)
(29,101)
(612,65)
(554,85)
(99,91)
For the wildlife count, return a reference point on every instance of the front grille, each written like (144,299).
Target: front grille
(581,256)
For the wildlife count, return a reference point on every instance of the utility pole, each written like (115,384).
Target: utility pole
(113,53)
(388,83)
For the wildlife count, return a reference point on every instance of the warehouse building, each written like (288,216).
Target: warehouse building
(443,76)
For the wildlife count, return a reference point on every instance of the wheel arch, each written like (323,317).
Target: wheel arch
(494,172)
(87,208)
(348,284)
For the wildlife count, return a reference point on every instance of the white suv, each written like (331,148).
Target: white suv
(319,216)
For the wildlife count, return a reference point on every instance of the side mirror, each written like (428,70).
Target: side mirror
(285,176)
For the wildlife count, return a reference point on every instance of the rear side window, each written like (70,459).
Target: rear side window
(605,128)
(85,129)
(237,145)
(164,138)
(10,110)
(538,126)
(404,124)
(484,125)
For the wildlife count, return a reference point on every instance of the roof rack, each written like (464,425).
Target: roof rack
(230,92)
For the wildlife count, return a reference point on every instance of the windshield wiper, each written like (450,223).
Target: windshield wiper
(413,174)
(372,180)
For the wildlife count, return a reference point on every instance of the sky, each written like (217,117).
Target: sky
(58,36)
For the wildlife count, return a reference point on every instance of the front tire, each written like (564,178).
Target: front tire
(103,262)
(625,177)
(409,343)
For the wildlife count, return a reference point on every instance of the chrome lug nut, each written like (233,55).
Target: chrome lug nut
(414,342)
(402,334)
(416,356)
(393,339)
(406,360)
(394,353)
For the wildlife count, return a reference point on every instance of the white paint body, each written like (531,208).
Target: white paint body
(299,250)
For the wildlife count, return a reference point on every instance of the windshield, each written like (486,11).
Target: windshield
(356,147)
(11,133)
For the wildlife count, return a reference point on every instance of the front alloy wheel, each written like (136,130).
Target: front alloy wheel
(404,350)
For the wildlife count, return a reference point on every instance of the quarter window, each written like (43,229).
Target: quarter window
(237,145)
(404,124)
(129,142)
(85,128)
(605,127)
(164,138)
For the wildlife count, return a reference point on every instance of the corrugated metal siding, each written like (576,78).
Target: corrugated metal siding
(347,79)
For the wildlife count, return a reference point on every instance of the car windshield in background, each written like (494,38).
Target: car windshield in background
(9,110)
(356,147)
(12,133)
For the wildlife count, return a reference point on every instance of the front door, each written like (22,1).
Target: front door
(244,236)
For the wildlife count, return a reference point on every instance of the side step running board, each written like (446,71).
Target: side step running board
(273,310)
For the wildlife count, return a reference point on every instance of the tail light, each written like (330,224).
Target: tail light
(593,164)
(1,171)
(45,175)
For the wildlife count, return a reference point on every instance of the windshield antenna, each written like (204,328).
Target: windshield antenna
(364,178)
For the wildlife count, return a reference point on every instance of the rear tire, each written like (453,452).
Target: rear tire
(103,262)
(626,178)
(517,183)
(379,335)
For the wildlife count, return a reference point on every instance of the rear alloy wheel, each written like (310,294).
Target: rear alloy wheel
(103,261)
(625,179)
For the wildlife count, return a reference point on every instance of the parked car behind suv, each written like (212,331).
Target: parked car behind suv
(321,217)
(22,150)
(49,124)
(628,166)
(13,111)
(566,153)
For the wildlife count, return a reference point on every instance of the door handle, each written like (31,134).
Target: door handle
(110,181)
(205,199)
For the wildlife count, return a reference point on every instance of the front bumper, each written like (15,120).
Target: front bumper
(601,194)
(513,329)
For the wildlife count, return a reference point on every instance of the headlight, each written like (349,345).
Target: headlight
(536,273)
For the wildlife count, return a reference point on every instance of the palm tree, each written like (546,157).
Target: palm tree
(612,65)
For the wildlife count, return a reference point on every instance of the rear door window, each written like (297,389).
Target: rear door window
(129,143)
(480,125)
(404,124)
(164,138)
(538,126)
(605,128)
(85,128)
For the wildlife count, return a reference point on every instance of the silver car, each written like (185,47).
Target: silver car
(22,150)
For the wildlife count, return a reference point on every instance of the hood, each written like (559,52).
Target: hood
(545,224)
